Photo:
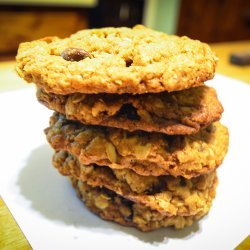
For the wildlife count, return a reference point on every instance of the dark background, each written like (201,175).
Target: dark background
(209,21)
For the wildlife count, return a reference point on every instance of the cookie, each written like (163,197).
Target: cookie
(116,60)
(165,194)
(145,153)
(110,206)
(180,112)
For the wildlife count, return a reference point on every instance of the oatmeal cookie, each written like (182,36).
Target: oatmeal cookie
(166,194)
(145,153)
(116,60)
(180,112)
(110,206)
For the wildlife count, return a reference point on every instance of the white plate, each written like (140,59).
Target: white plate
(51,216)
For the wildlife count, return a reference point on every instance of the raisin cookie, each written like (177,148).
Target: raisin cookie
(145,153)
(110,206)
(180,112)
(116,60)
(166,194)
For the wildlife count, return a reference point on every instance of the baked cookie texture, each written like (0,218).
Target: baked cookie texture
(180,112)
(145,153)
(116,60)
(110,206)
(134,128)
(166,194)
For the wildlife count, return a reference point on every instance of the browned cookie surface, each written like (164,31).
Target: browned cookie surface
(166,194)
(180,112)
(145,153)
(116,60)
(112,207)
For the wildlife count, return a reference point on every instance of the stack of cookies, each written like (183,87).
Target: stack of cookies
(134,127)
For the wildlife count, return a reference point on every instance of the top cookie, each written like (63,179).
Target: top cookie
(116,60)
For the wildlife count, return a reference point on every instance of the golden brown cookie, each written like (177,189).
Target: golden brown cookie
(110,206)
(166,194)
(116,60)
(145,153)
(180,112)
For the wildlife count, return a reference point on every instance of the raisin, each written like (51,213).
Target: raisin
(182,181)
(211,129)
(128,111)
(75,54)
(157,188)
